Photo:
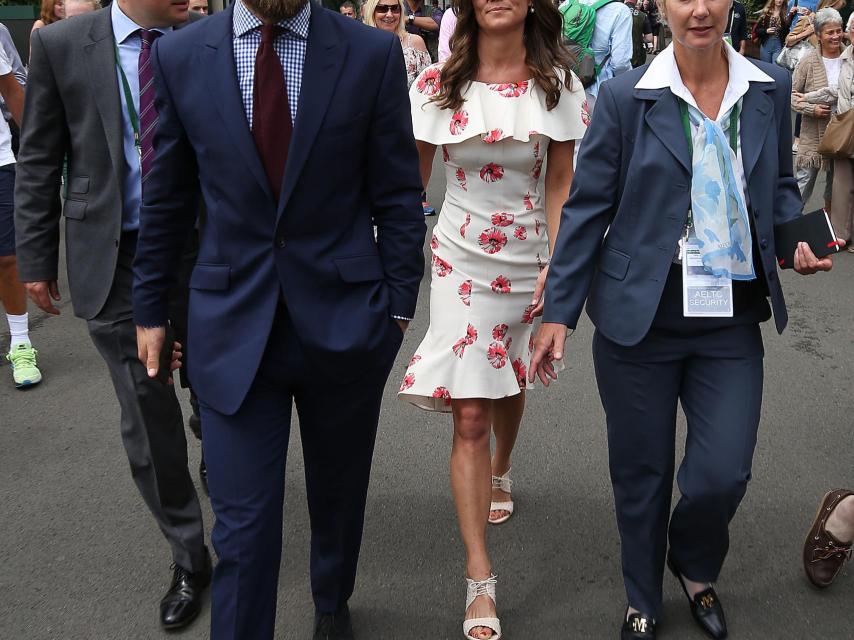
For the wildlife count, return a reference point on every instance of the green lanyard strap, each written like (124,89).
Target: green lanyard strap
(134,118)
(733,125)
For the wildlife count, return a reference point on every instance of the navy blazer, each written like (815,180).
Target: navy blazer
(352,164)
(633,180)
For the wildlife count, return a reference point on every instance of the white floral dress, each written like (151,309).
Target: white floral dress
(490,241)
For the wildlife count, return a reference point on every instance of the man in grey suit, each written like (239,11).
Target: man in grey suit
(90,99)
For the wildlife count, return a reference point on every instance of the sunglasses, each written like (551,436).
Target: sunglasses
(388,8)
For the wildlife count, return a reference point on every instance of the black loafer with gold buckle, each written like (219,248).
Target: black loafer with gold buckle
(638,626)
(705,606)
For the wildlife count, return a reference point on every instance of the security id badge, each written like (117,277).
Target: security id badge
(703,295)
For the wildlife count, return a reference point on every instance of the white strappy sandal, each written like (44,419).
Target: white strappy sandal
(474,589)
(505,484)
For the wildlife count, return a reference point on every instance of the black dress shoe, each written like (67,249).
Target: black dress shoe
(203,475)
(195,424)
(183,602)
(705,607)
(638,626)
(333,626)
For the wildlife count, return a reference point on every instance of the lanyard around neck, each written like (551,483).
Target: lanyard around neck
(733,125)
(132,114)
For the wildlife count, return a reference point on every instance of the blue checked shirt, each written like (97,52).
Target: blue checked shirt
(290,46)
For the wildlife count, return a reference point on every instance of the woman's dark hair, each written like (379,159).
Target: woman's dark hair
(782,11)
(545,54)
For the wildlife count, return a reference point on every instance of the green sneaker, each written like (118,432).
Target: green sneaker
(24,369)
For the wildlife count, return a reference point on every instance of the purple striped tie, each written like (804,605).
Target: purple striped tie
(147,110)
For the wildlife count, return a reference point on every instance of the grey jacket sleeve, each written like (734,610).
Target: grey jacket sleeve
(44,140)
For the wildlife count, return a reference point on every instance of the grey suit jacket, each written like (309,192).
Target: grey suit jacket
(72,107)
(633,180)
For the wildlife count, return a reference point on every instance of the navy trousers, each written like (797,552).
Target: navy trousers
(717,376)
(245,455)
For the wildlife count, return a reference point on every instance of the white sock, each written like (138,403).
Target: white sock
(19,326)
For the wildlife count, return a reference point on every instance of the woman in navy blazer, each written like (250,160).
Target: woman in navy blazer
(619,247)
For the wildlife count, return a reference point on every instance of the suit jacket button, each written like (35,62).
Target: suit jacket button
(280,242)
(763,243)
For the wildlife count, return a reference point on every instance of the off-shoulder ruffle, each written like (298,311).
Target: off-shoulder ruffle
(496,112)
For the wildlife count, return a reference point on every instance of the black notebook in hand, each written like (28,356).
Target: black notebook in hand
(813,228)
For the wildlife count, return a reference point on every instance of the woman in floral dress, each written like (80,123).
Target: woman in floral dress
(386,15)
(501,103)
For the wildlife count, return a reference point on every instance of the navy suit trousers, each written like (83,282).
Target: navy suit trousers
(245,455)
(717,376)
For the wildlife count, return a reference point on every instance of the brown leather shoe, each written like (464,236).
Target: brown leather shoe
(824,555)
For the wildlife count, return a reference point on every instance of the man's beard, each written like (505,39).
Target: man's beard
(275,10)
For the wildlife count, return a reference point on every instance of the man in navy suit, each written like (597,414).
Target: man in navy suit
(292,300)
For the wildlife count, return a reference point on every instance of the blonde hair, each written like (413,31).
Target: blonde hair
(370,9)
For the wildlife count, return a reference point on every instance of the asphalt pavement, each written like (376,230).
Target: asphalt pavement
(81,558)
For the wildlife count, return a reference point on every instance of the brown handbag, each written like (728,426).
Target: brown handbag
(838,139)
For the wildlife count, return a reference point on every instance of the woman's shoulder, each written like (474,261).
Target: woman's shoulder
(416,42)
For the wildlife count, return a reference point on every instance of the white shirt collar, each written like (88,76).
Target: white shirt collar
(663,73)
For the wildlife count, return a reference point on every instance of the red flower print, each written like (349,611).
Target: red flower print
(429,82)
(465,224)
(497,355)
(491,172)
(585,113)
(520,232)
(460,345)
(536,150)
(465,292)
(493,136)
(538,167)
(461,178)
(527,314)
(434,242)
(445,155)
(521,372)
(510,89)
(492,240)
(408,381)
(529,206)
(537,225)
(459,121)
(501,285)
(441,267)
(531,344)
(415,360)
(442,392)
(499,331)
(502,219)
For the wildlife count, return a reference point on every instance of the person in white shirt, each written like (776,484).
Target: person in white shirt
(446,32)
(676,274)
(817,70)
(21,355)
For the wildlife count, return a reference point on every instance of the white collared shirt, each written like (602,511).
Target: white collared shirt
(664,73)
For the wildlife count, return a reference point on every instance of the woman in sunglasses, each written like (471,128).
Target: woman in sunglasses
(385,15)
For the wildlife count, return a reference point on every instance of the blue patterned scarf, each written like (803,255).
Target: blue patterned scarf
(721,223)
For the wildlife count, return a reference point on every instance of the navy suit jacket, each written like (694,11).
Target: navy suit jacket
(352,164)
(633,180)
